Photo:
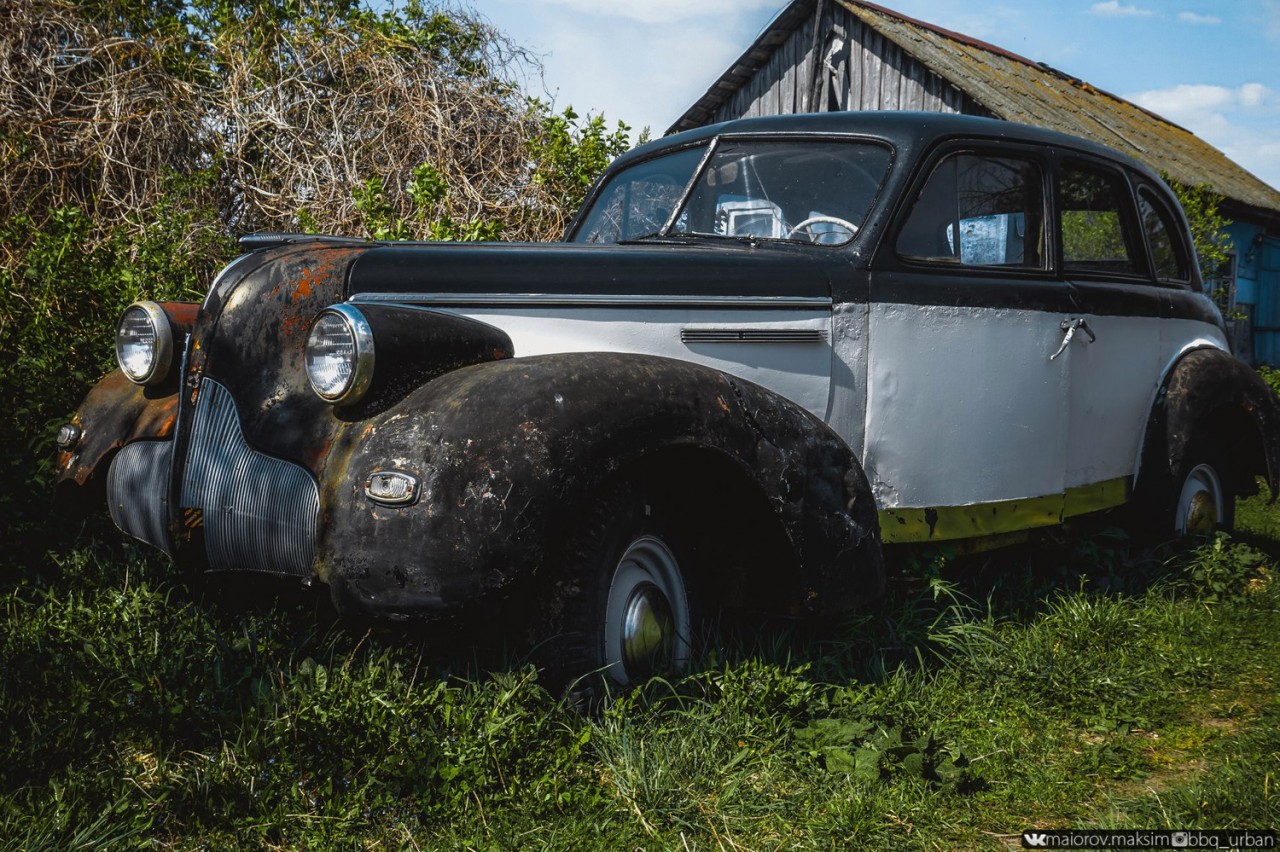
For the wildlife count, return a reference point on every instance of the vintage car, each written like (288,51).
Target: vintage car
(764,351)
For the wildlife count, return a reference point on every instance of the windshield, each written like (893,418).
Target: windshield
(815,191)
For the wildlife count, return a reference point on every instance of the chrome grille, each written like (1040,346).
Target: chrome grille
(138,489)
(259,512)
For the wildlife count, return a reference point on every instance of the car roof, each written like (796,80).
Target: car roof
(903,129)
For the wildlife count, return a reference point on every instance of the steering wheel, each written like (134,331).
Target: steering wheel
(820,220)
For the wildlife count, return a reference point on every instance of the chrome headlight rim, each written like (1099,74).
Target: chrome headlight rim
(361,333)
(162,354)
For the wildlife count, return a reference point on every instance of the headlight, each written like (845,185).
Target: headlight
(340,355)
(144,343)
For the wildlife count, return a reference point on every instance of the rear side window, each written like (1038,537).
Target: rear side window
(1168,254)
(978,210)
(1096,232)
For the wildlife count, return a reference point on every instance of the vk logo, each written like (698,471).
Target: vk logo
(1033,840)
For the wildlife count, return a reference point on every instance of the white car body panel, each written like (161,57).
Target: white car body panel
(798,369)
(963,405)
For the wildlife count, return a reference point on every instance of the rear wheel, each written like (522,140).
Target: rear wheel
(1196,499)
(1202,505)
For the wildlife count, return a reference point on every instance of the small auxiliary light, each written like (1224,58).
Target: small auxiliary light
(391,488)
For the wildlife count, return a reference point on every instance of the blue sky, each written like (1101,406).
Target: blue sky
(1209,65)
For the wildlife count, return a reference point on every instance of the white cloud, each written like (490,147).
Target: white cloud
(1200,101)
(1113,9)
(631,76)
(1193,18)
(1254,94)
(660,11)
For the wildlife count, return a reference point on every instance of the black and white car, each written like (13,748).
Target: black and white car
(765,350)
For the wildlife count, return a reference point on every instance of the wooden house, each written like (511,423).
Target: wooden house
(824,55)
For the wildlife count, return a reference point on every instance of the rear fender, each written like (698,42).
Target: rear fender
(1212,395)
(507,454)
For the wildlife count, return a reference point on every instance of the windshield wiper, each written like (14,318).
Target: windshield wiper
(657,237)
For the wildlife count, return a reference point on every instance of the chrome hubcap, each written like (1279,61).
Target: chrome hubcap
(647,632)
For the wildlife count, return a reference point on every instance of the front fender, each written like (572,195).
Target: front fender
(115,412)
(504,452)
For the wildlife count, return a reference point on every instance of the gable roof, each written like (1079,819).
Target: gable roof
(1018,89)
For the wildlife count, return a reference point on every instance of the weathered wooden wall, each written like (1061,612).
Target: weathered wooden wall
(860,69)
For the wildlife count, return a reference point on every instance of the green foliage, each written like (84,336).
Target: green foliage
(429,193)
(571,153)
(871,749)
(1223,569)
(58,303)
(1271,376)
(135,710)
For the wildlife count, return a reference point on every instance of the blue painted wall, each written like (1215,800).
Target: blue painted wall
(1258,284)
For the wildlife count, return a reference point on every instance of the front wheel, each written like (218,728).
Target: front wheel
(618,610)
(646,624)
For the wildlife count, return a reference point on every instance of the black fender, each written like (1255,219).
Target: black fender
(1209,394)
(509,453)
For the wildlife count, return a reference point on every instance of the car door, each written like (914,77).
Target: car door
(1128,328)
(966,426)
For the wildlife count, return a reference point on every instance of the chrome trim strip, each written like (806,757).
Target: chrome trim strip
(752,335)
(589,300)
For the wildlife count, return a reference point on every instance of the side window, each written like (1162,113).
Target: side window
(978,210)
(1168,254)
(1096,235)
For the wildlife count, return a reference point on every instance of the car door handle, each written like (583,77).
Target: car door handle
(1071,326)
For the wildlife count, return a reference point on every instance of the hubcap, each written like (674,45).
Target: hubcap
(647,632)
(1200,503)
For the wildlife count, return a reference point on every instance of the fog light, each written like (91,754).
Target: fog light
(391,487)
(68,436)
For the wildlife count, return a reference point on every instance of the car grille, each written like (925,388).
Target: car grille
(138,492)
(259,512)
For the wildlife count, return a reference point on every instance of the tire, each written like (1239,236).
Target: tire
(620,609)
(1201,501)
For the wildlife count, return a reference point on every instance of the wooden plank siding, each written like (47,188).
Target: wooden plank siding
(859,69)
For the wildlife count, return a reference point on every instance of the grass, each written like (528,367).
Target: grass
(1079,682)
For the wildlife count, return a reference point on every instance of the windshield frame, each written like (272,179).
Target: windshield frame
(712,145)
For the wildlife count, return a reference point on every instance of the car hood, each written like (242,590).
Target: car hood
(562,269)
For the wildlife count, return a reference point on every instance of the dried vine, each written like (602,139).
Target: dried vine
(273,127)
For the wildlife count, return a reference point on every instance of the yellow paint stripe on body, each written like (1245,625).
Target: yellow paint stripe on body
(948,523)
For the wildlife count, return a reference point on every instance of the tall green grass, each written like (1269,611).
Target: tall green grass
(1079,683)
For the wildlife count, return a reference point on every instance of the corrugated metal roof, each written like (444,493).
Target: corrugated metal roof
(1020,90)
